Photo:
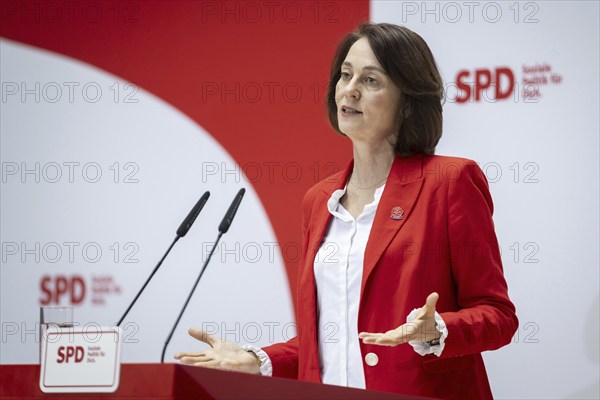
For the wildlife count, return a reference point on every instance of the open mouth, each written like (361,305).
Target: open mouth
(349,111)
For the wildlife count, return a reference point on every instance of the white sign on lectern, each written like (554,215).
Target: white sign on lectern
(86,359)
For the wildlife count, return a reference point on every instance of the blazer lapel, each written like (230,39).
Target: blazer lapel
(321,216)
(401,190)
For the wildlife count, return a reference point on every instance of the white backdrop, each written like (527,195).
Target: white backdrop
(91,225)
(541,157)
(540,153)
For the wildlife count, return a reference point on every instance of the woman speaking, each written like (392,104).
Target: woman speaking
(400,285)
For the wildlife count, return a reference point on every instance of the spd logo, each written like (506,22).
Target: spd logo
(74,354)
(485,84)
(55,288)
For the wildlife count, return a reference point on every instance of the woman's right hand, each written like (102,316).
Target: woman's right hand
(222,355)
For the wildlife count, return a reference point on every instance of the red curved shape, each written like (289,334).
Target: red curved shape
(253,74)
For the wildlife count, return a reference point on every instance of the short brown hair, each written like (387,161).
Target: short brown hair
(408,61)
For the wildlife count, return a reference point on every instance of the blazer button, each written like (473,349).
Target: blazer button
(371,359)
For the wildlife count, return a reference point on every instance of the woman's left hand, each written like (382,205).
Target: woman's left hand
(422,329)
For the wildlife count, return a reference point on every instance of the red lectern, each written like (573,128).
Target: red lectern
(176,381)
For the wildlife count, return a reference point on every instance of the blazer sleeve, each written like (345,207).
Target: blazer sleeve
(486,318)
(284,358)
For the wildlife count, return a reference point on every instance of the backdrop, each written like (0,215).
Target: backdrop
(117,115)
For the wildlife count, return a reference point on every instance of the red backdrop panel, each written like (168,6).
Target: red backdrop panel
(253,74)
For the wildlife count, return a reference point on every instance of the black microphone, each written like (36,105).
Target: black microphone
(228,218)
(181,232)
(223,228)
(189,220)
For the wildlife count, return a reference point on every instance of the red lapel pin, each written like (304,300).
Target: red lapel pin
(397,213)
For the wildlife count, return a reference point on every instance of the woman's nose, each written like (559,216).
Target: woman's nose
(351,90)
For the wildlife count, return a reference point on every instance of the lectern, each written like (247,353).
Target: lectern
(177,381)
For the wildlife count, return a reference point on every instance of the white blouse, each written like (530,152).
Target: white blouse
(338,271)
(338,268)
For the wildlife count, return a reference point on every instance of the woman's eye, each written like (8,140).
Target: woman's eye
(370,80)
(345,75)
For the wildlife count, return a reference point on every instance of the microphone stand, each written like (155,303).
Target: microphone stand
(181,232)
(148,280)
(162,357)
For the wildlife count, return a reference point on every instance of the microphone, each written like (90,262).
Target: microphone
(223,228)
(228,218)
(181,232)
(191,217)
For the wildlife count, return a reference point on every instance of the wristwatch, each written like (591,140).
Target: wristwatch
(255,356)
(264,363)
(435,342)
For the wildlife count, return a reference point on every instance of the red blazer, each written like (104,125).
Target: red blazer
(444,242)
